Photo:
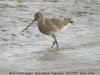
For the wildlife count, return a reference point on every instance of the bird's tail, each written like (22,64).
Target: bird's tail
(67,20)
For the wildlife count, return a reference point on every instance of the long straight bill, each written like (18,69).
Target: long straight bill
(29,25)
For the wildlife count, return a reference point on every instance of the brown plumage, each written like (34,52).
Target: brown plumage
(49,26)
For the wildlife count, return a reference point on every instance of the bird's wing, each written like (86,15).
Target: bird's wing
(53,21)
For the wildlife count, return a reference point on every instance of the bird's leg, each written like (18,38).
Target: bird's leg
(55,41)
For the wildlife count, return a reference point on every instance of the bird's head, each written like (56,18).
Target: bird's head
(38,16)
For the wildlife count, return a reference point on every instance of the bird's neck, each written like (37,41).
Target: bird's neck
(41,21)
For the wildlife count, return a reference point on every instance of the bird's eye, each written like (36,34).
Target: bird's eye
(37,15)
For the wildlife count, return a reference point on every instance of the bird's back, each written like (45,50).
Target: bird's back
(57,22)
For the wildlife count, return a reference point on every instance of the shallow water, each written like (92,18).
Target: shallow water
(30,51)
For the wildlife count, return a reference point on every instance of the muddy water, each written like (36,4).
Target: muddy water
(30,51)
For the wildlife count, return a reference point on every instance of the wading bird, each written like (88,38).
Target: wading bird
(49,26)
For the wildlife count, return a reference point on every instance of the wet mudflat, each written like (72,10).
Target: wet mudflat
(30,51)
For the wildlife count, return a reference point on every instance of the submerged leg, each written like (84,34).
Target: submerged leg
(55,41)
